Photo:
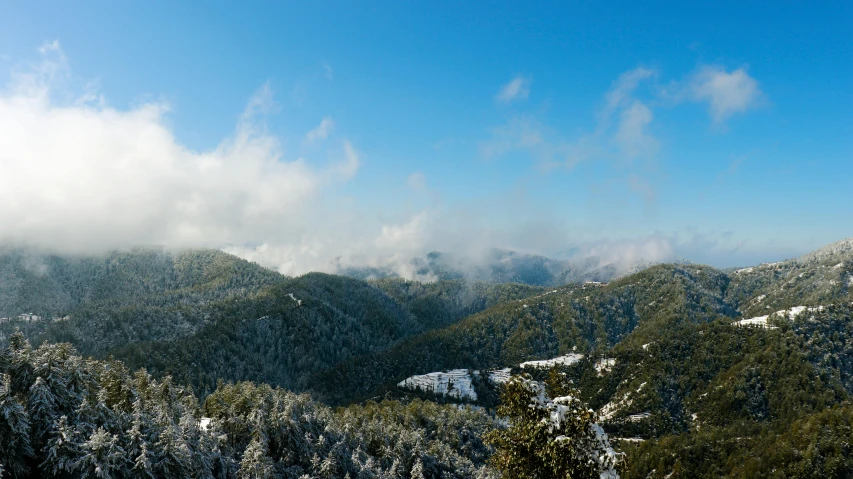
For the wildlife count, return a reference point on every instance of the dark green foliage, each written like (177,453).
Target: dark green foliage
(548,439)
(204,315)
(64,416)
(581,318)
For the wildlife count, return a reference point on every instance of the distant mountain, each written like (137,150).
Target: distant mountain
(743,373)
(502,266)
(591,319)
(689,368)
(203,315)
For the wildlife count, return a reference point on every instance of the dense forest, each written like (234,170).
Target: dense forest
(199,363)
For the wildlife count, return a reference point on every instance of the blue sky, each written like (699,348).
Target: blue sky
(716,131)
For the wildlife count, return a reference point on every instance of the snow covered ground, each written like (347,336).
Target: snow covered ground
(500,376)
(566,360)
(455,383)
(761,321)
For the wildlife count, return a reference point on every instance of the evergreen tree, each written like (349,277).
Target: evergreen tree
(103,456)
(14,430)
(549,439)
(64,449)
(256,463)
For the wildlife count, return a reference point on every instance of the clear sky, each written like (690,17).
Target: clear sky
(308,134)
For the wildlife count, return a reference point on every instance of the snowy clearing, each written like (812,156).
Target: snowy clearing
(455,383)
(761,321)
(500,376)
(566,360)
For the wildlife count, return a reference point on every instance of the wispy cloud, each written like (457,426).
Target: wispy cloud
(321,131)
(726,93)
(622,131)
(517,89)
(327,69)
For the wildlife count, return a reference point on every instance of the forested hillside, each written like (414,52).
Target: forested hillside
(741,373)
(205,315)
(582,318)
(65,416)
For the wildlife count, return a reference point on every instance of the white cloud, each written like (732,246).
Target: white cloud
(517,89)
(321,131)
(632,133)
(726,93)
(328,70)
(78,176)
(623,89)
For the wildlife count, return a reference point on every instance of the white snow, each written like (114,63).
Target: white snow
(500,376)
(638,417)
(838,265)
(610,409)
(566,360)
(792,313)
(204,423)
(455,383)
(604,365)
(298,301)
(646,346)
(744,270)
(760,321)
(629,439)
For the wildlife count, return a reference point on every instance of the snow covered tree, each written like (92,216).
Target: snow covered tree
(14,430)
(549,439)
(256,463)
(103,456)
(418,470)
(41,406)
(172,456)
(63,450)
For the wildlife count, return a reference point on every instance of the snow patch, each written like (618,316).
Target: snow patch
(298,301)
(500,376)
(638,417)
(761,321)
(610,409)
(455,383)
(204,423)
(604,365)
(566,360)
(629,439)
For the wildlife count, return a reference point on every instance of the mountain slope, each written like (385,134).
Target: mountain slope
(310,323)
(581,318)
(99,302)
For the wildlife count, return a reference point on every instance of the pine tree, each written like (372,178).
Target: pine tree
(14,430)
(256,463)
(549,439)
(171,455)
(103,456)
(63,450)
(41,406)
(418,470)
